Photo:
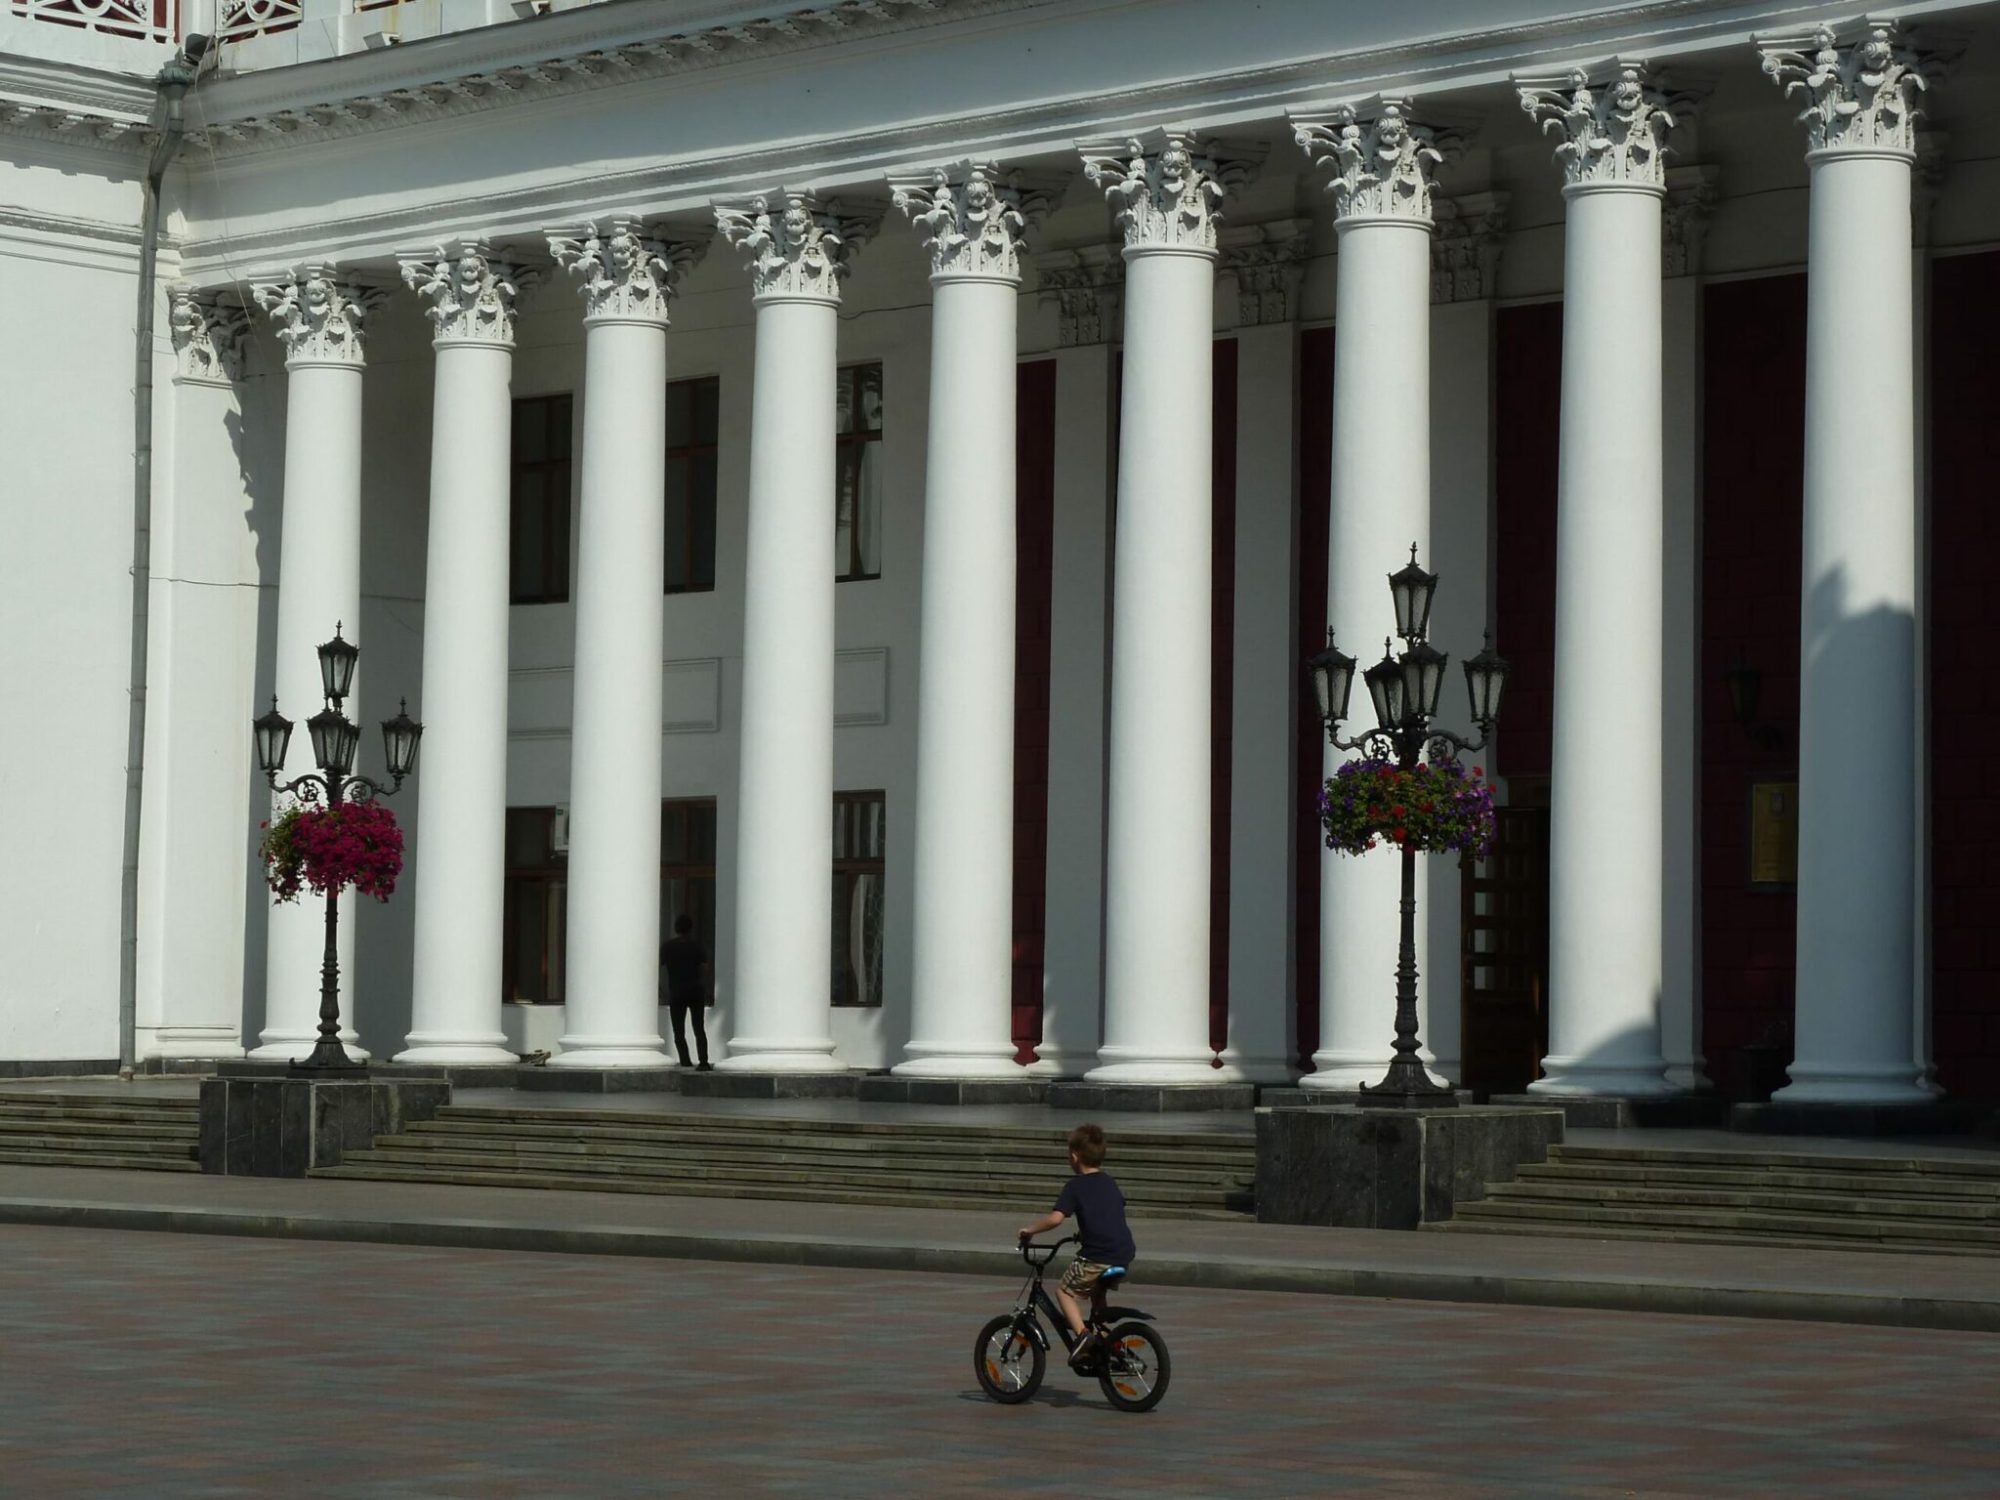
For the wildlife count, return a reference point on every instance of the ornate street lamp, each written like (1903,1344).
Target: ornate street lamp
(335,739)
(1405,691)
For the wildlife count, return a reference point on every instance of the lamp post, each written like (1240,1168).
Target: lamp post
(335,738)
(1405,693)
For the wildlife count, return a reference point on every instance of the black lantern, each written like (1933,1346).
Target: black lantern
(1485,676)
(336,667)
(335,738)
(1385,686)
(399,741)
(274,738)
(1332,673)
(1412,589)
(1423,678)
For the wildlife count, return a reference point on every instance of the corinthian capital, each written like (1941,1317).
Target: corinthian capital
(798,248)
(972,215)
(318,313)
(1861,87)
(1382,160)
(1167,186)
(208,333)
(470,291)
(1613,135)
(627,275)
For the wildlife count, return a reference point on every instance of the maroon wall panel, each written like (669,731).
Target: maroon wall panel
(1315,471)
(1752,475)
(1528,372)
(1222,679)
(1034,531)
(1965,722)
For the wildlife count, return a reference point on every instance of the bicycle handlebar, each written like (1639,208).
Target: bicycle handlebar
(1029,1246)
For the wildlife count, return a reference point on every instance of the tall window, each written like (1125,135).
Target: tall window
(857,516)
(859,846)
(687,868)
(536,912)
(692,438)
(538,509)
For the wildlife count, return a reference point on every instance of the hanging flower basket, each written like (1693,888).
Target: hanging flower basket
(332,847)
(1436,809)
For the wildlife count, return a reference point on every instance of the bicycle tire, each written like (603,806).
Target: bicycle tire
(997,1359)
(1136,1367)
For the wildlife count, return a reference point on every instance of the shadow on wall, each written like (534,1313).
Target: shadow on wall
(261,409)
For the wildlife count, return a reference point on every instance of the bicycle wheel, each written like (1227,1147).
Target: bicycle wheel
(1136,1367)
(1008,1362)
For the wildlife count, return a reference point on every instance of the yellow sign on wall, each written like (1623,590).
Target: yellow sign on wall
(1774,833)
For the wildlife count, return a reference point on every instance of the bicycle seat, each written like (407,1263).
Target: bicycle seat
(1111,1276)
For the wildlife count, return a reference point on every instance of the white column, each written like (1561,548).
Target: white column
(962,1001)
(611,1014)
(1165,187)
(784,831)
(1606,842)
(318,315)
(1858,812)
(461,886)
(1381,187)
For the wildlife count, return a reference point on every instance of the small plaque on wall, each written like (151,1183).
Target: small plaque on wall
(1774,835)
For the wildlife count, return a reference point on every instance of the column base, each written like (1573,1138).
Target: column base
(611,1052)
(1237,1068)
(283,1046)
(1121,1065)
(990,1064)
(474,1051)
(1053,1062)
(1811,1084)
(780,1057)
(1570,1076)
(1345,1072)
(170,1043)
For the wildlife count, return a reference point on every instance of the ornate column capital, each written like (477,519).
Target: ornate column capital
(1684,225)
(1465,252)
(1382,160)
(972,215)
(319,311)
(629,275)
(1166,186)
(1268,262)
(209,330)
(1859,84)
(1614,132)
(1085,285)
(799,249)
(471,292)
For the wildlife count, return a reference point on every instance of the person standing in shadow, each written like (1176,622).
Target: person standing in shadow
(684,977)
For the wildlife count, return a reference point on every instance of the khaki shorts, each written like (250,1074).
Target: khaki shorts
(1080,1280)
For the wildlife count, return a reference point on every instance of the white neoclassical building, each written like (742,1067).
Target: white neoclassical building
(865,475)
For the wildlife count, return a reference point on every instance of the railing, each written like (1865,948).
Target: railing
(238,19)
(144,20)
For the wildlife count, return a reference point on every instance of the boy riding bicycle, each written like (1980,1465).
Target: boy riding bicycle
(1094,1198)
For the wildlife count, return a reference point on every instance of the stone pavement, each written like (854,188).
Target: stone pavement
(145,1365)
(1915,1291)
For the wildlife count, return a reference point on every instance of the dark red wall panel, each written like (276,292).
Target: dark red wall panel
(1034,533)
(1528,374)
(1315,471)
(1222,678)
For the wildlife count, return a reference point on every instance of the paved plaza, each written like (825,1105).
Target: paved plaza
(163,1365)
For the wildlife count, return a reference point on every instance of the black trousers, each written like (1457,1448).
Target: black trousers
(680,1010)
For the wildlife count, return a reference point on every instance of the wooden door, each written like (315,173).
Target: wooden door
(1504,961)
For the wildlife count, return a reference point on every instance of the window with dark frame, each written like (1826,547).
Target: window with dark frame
(860,846)
(536,919)
(687,869)
(538,500)
(857,521)
(693,438)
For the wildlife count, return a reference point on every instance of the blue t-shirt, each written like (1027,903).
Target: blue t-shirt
(1095,1202)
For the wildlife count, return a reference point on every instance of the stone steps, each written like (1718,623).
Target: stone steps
(1175,1174)
(100,1130)
(1897,1202)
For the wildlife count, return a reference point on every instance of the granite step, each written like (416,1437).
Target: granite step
(1679,1236)
(1752,1195)
(1655,1156)
(140,1145)
(104,1130)
(19,1156)
(900,1130)
(1805,1178)
(1851,1229)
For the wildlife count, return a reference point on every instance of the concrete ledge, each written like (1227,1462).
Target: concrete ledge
(594,1080)
(58,1068)
(1230,1273)
(1608,1112)
(1778,1118)
(1151,1098)
(734,1085)
(881,1088)
(1279,1097)
(286,1126)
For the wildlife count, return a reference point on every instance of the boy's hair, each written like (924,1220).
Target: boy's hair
(683,925)
(1087,1141)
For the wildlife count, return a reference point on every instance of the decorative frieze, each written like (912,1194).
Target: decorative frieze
(1086,285)
(1614,134)
(628,274)
(209,331)
(1465,249)
(797,247)
(972,215)
(1166,186)
(319,312)
(471,292)
(1268,261)
(1684,223)
(1382,160)
(1861,88)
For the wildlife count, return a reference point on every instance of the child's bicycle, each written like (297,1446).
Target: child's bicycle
(1131,1363)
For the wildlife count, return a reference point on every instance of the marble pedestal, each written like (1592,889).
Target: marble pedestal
(278,1124)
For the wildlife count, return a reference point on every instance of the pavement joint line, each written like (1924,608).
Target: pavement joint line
(1603,1292)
